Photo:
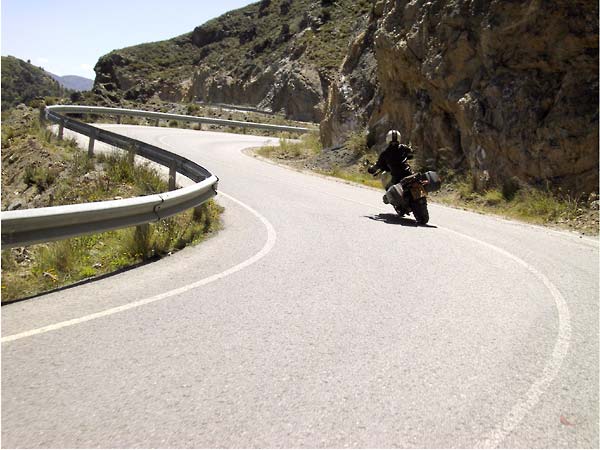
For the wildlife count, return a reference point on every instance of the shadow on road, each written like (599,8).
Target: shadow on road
(395,219)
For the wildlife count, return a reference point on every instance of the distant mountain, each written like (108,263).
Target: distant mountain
(23,82)
(74,82)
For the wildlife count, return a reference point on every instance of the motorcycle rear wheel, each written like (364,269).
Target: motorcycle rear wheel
(420,211)
(399,211)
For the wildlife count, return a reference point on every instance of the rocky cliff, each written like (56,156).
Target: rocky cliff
(275,54)
(498,88)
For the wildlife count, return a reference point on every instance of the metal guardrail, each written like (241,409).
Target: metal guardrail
(180,117)
(29,226)
(242,108)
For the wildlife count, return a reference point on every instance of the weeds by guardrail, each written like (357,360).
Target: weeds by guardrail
(30,226)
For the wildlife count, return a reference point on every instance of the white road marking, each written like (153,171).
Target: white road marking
(497,435)
(561,347)
(269,244)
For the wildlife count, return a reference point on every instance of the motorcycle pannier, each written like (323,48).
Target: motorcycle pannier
(395,194)
(433,181)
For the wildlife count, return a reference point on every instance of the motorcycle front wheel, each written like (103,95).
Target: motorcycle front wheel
(420,211)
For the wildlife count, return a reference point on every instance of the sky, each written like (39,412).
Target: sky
(67,37)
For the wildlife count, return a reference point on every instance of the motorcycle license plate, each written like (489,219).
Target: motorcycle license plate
(418,191)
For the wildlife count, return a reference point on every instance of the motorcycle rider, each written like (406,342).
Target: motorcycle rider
(394,159)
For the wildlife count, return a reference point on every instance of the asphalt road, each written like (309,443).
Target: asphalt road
(315,319)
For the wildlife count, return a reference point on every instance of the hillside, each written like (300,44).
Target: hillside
(278,55)
(491,90)
(73,82)
(22,82)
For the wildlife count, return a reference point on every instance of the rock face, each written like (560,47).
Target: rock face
(274,54)
(291,88)
(352,97)
(500,88)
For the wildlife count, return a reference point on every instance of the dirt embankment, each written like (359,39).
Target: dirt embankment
(38,170)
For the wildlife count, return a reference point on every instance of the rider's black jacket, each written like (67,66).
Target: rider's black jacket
(393,160)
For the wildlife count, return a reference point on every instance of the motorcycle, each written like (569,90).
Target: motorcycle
(410,194)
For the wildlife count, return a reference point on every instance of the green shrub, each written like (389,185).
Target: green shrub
(58,257)
(493,197)
(207,215)
(356,142)
(165,236)
(42,177)
(466,188)
(87,272)
(192,110)
(312,142)
(290,148)
(119,167)
(510,187)
(138,242)
(8,262)
(81,163)
(544,205)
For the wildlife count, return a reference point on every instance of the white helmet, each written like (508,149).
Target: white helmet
(392,136)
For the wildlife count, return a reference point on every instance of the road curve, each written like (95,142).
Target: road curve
(314,319)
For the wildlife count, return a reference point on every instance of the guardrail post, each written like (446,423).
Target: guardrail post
(131,152)
(157,123)
(119,120)
(172,177)
(198,212)
(91,145)
(42,115)
(141,237)
(61,128)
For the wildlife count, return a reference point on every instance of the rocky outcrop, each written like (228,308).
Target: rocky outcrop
(294,89)
(352,98)
(274,54)
(113,69)
(494,87)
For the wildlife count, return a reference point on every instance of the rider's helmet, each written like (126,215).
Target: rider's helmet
(392,136)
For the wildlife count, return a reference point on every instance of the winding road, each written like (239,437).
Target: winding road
(316,318)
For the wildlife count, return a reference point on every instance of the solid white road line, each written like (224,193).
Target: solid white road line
(561,347)
(497,435)
(269,244)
